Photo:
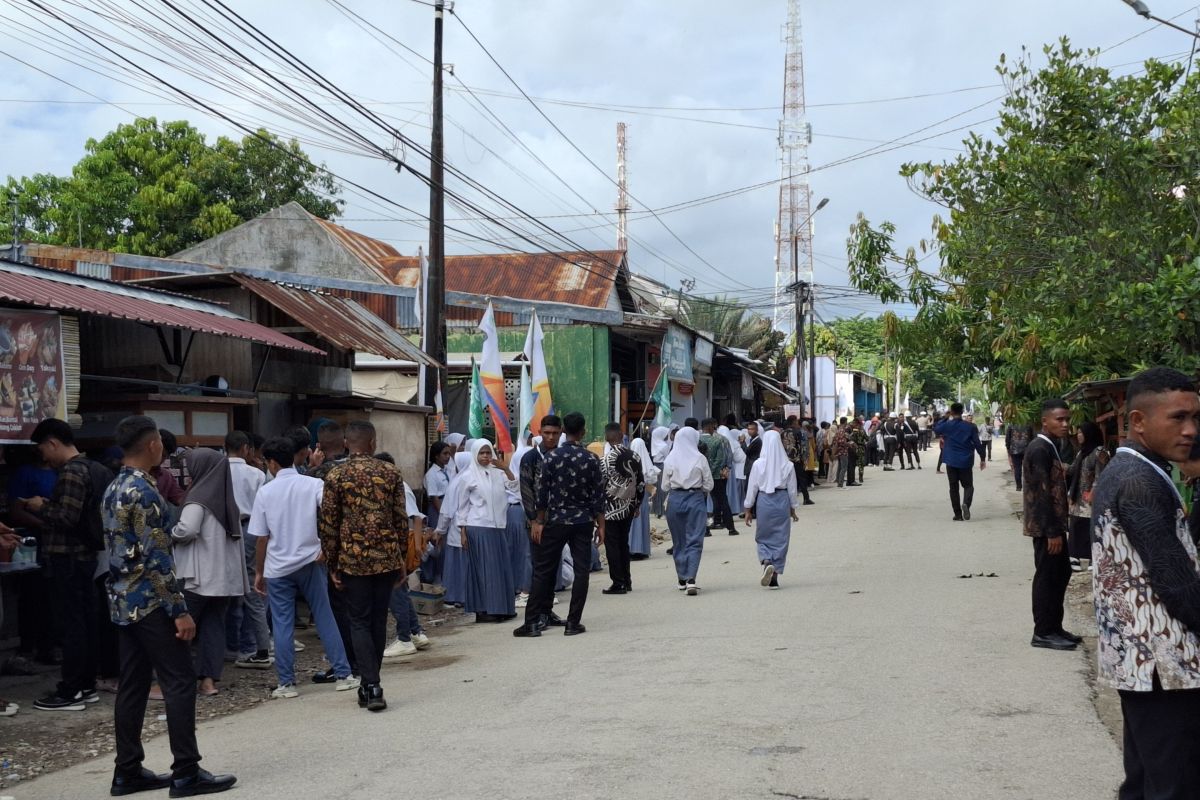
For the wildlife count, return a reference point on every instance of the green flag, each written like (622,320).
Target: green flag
(475,412)
(662,401)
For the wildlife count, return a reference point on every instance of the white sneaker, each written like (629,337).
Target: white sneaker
(555,601)
(522,599)
(285,691)
(692,589)
(768,573)
(399,649)
(347,683)
(299,647)
(421,641)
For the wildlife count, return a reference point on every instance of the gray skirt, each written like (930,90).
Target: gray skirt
(773,528)
(489,584)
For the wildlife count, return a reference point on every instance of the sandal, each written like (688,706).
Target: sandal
(8,709)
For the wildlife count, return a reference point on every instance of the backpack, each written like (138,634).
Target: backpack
(91,525)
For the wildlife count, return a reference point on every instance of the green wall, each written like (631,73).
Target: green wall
(577,360)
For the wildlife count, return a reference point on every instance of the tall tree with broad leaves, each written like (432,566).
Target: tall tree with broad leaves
(154,188)
(1068,246)
(733,324)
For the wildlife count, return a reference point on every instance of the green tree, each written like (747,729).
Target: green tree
(734,325)
(1069,249)
(157,188)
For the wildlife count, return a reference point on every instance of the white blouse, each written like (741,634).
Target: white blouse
(698,477)
(484,505)
(754,486)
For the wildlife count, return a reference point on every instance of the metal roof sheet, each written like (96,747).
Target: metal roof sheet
(582,279)
(70,292)
(339,320)
(372,253)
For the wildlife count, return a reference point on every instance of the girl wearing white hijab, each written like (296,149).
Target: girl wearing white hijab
(771,493)
(639,531)
(454,570)
(482,519)
(455,440)
(688,478)
(735,487)
(660,448)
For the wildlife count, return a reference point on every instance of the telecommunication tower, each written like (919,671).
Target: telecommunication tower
(622,192)
(793,230)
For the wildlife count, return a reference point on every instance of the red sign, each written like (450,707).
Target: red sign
(685,388)
(31,372)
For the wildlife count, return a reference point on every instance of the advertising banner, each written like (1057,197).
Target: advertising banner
(31,372)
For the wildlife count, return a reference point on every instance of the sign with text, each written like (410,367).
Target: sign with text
(704,352)
(677,354)
(31,372)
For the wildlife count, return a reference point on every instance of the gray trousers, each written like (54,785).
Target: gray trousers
(842,462)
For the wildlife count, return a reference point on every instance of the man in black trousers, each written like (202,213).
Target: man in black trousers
(570,507)
(146,603)
(624,489)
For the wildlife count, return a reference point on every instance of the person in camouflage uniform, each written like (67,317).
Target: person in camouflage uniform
(795,444)
(858,452)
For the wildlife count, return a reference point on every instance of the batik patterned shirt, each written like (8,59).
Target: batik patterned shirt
(141,571)
(363,521)
(1146,582)
(571,488)
(840,445)
(624,486)
(1044,494)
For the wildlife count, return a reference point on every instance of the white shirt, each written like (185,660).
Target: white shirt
(985,432)
(410,502)
(754,485)
(484,504)
(437,480)
(247,480)
(285,511)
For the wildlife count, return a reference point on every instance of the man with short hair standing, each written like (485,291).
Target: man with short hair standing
(247,631)
(960,446)
(1047,521)
(154,626)
(624,489)
(720,460)
(1147,589)
(364,538)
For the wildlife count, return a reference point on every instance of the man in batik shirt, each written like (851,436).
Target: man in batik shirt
(624,489)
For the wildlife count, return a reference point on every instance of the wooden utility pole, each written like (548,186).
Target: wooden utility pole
(434,314)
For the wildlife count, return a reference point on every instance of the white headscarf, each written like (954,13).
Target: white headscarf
(487,483)
(773,466)
(685,458)
(735,445)
(454,440)
(660,444)
(649,471)
(446,523)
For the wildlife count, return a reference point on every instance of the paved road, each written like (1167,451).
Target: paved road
(876,672)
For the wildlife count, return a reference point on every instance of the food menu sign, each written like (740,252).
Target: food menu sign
(31,372)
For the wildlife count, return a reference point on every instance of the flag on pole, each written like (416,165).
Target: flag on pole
(662,401)
(440,423)
(539,377)
(491,375)
(475,404)
(525,421)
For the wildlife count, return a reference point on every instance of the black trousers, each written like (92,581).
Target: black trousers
(889,451)
(108,663)
(965,478)
(1162,744)
(910,450)
(1051,574)
(802,480)
(73,596)
(546,559)
(722,513)
(145,646)
(341,615)
(1018,461)
(616,548)
(987,446)
(368,598)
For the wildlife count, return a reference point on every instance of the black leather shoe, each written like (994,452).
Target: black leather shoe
(1071,637)
(553,620)
(203,782)
(614,589)
(574,629)
(670,551)
(1052,642)
(362,696)
(527,631)
(966,512)
(375,701)
(144,781)
(734,532)
(324,677)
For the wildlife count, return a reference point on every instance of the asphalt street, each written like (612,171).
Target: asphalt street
(877,671)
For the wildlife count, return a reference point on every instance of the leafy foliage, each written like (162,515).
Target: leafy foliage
(157,188)
(1070,247)
(734,325)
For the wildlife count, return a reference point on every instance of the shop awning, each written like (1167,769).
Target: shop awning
(767,383)
(339,320)
(63,291)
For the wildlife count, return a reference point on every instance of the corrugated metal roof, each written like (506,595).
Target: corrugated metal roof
(67,292)
(582,279)
(339,320)
(373,253)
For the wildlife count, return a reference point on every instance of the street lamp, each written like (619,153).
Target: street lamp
(800,307)
(1143,10)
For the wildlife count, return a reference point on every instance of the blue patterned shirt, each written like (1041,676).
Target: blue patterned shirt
(571,487)
(141,571)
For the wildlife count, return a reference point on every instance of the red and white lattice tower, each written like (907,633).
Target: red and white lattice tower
(795,134)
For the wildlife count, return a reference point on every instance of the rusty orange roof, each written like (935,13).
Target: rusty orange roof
(581,279)
(373,253)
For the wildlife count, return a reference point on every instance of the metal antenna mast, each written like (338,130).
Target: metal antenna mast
(622,192)
(793,228)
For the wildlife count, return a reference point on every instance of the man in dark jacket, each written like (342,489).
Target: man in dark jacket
(962,443)
(1016,439)
(1046,519)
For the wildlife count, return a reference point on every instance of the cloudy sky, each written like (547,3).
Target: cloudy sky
(699,83)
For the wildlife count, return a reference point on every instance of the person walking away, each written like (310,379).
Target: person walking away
(771,494)
(147,604)
(839,450)
(624,490)
(660,448)
(639,529)
(529,473)
(1016,439)
(288,563)
(858,453)
(891,439)
(1147,590)
(1091,460)
(720,461)
(960,444)
(570,507)
(437,481)
(985,436)
(688,476)
(1047,520)
(911,433)
(70,538)
(482,520)
(246,630)
(210,559)
(363,526)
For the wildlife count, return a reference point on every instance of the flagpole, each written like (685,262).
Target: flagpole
(661,373)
